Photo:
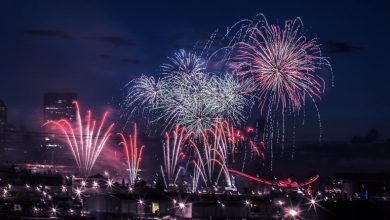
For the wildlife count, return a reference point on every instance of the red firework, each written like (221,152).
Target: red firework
(85,141)
(133,153)
(283,64)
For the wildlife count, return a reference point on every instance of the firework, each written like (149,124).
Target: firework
(283,64)
(214,155)
(184,62)
(288,183)
(172,149)
(146,91)
(86,143)
(189,95)
(133,154)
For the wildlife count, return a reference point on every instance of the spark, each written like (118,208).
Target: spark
(285,70)
(133,154)
(172,147)
(85,142)
(188,95)
(218,144)
(283,64)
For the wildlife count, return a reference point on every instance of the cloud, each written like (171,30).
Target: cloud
(117,41)
(47,33)
(340,47)
(130,61)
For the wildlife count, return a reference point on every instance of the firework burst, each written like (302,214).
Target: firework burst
(283,67)
(86,143)
(188,95)
(283,64)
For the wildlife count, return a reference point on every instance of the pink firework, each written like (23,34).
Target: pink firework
(283,64)
(133,154)
(86,143)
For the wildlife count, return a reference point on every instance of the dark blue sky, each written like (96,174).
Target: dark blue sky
(95,47)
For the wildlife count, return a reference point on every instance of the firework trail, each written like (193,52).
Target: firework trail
(215,154)
(173,150)
(133,154)
(188,95)
(86,143)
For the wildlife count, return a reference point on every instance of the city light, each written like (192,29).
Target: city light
(110,183)
(292,213)
(78,192)
(209,131)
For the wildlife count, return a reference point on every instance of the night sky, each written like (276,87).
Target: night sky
(94,48)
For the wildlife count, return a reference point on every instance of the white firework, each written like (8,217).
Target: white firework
(188,95)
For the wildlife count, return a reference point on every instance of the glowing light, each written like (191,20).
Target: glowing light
(141,202)
(95,184)
(313,203)
(86,143)
(83,183)
(110,183)
(218,144)
(188,95)
(133,154)
(293,212)
(182,205)
(285,70)
(281,183)
(282,63)
(78,192)
(172,147)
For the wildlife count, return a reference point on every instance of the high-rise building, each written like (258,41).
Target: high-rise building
(3,123)
(59,106)
(56,106)
(3,113)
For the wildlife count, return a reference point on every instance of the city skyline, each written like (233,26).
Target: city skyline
(111,49)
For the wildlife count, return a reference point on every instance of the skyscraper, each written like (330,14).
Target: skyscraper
(59,106)
(56,106)
(3,123)
(3,113)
